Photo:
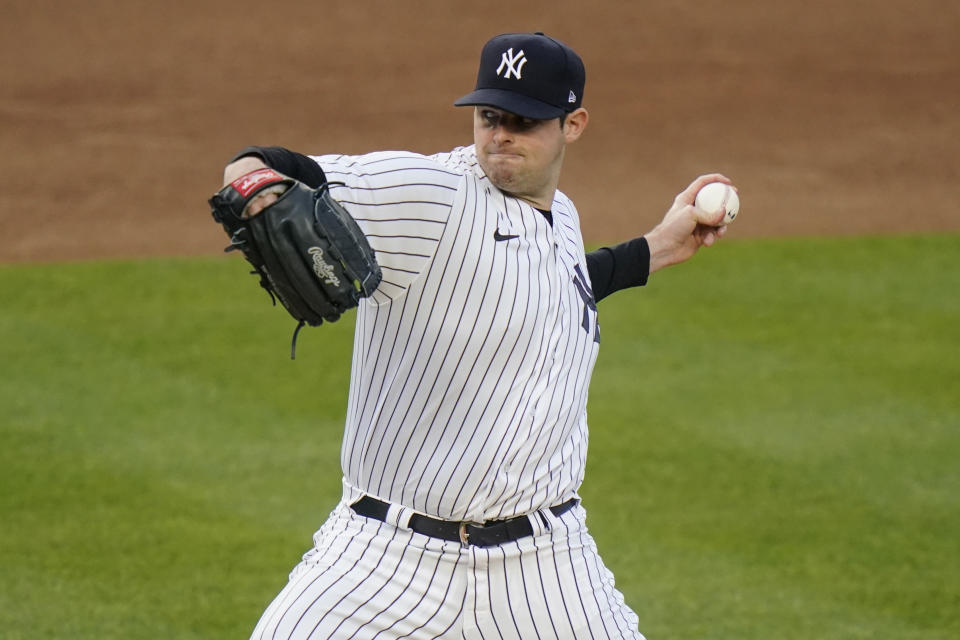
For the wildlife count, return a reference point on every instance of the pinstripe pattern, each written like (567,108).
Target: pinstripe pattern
(468,396)
(368,580)
(471,366)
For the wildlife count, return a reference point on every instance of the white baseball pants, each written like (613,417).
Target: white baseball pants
(366,579)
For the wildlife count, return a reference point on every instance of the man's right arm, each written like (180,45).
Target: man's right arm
(685,228)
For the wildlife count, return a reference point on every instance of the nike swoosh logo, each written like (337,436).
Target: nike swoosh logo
(499,237)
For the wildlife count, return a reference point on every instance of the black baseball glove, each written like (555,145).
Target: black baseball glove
(306,248)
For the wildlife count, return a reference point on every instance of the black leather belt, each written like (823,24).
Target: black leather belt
(487,534)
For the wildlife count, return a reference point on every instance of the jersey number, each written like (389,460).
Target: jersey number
(586,293)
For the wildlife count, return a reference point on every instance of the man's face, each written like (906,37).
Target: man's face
(521,156)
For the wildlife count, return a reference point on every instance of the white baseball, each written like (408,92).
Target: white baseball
(716,197)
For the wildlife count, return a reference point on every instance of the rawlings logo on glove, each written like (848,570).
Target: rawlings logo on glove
(248,184)
(322,268)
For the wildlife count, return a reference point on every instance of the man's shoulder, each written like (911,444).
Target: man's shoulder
(563,204)
(462,160)
(441,168)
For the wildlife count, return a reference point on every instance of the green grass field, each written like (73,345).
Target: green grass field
(775,436)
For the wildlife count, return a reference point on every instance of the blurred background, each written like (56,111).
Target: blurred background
(832,118)
(775,425)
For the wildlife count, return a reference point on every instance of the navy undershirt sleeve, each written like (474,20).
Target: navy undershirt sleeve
(619,267)
(289,163)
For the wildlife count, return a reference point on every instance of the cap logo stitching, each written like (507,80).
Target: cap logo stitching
(572,98)
(513,63)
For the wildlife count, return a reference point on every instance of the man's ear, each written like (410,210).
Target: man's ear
(574,124)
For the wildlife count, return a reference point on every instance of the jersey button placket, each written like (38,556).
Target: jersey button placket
(557,284)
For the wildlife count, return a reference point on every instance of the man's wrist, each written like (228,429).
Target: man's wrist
(241,167)
(658,257)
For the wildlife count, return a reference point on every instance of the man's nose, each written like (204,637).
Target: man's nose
(502,134)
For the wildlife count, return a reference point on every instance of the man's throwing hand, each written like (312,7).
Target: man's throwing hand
(684,228)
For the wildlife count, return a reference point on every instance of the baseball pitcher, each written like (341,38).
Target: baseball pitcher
(476,334)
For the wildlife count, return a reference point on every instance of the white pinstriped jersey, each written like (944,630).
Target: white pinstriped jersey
(473,358)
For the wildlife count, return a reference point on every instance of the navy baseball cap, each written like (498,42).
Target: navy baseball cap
(529,74)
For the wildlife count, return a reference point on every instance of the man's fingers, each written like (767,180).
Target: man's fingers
(710,234)
(689,194)
(261,201)
(709,219)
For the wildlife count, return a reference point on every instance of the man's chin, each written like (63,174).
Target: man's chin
(502,173)
(505,183)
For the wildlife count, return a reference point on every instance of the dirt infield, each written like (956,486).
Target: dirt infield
(831,117)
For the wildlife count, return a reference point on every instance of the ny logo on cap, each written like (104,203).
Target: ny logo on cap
(513,63)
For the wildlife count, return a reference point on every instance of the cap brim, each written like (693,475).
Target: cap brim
(512,102)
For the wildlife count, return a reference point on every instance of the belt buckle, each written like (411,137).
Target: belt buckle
(464,534)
